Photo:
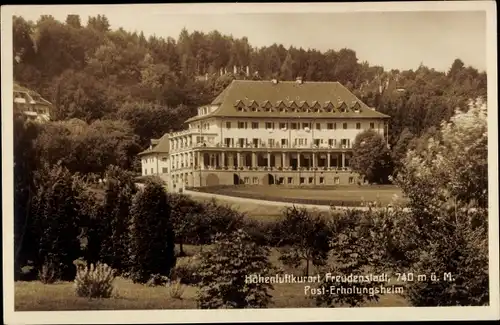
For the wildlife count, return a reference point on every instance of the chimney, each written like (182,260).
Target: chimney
(298,80)
(248,71)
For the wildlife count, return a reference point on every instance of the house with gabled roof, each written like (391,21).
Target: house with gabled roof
(271,133)
(31,104)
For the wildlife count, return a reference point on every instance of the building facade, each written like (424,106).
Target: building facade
(31,104)
(267,132)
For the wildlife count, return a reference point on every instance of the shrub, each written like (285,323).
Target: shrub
(48,273)
(186,270)
(157,280)
(152,237)
(223,271)
(176,289)
(94,282)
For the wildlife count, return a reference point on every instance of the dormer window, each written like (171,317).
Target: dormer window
(316,107)
(281,106)
(254,107)
(343,107)
(329,106)
(239,106)
(293,106)
(267,106)
(357,107)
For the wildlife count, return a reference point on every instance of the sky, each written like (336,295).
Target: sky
(394,40)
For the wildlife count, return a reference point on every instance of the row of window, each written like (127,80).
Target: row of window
(293,125)
(147,160)
(229,142)
(164,170)
(302,180)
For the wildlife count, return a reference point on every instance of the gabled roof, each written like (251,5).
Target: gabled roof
(33,94)
(161,145)
(306,93)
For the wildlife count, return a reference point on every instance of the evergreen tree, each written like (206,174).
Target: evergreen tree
(57,225)
(152,236)
(115,219)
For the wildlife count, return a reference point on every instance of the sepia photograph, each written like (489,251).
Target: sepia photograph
(249,162)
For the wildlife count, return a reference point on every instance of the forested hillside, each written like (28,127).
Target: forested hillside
(91,72)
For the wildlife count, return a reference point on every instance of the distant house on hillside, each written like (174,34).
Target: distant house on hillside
(31,104)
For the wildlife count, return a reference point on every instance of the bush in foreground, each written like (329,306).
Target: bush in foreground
(186,270)
(94,281)
(223,271)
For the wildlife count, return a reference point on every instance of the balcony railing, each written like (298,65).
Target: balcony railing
(275,146)
(261,145)
(273,169)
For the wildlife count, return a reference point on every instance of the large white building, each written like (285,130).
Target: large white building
(266,132)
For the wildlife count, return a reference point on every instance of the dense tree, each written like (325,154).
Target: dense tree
(57,222)
(401,147)
(306,236)
(152,236)
(115,219)
(287,68)
(224,269)
(185,215)
(74,21)
(25,165)
(446,182)
(352,249)
(371,157)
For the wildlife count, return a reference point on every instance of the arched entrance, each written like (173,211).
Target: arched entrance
(212,180)
(270,179)
(236,179)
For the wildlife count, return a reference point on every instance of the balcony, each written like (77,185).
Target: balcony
(274,169)
(263,145)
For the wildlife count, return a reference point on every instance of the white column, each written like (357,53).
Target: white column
(283,159)
(222,159)
(314,159)
(328,160)
(343,160)
(238,158)
(298,159)
(268,160)
(254,162)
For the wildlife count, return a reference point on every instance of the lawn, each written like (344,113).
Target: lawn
(35,296)
(341,195)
